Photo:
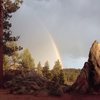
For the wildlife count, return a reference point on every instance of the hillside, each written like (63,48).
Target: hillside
(71,75)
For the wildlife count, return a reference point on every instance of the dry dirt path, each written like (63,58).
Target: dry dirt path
(5,96)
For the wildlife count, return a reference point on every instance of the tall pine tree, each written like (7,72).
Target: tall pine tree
(6,8)
(1,45)
(9,41)
(27,61)
(57,67)
(39,68)
(46,71)
(58,74)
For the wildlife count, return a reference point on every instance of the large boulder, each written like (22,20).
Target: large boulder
(89,79)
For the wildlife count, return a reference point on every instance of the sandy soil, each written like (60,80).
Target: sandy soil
(5,96)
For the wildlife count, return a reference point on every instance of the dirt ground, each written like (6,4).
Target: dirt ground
(4,95)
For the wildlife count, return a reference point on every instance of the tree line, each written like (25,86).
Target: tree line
(25,62)
(9,56)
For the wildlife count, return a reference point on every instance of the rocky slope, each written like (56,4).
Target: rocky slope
(89,79)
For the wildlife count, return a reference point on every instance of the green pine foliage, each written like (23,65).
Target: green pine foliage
(10,46)
(58,75)
(12,5)
(27,61)
(46,71)
(6,62)
(61,77)
(39,68)
(9,42)
(57,67)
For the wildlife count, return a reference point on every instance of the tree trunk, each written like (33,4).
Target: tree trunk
(1,45)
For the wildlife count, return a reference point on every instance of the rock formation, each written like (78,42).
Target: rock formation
(89,79)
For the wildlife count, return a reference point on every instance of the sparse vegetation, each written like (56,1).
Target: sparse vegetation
(39,79)
(71,75)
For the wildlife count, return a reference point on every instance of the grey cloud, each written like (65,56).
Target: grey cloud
(74,24)
(72,21)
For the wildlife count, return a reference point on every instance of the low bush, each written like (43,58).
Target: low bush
(55,89)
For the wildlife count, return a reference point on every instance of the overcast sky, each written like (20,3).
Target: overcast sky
(73,24)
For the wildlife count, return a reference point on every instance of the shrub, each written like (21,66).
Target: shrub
(55,89)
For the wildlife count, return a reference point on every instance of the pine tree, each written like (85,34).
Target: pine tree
(5,9)
(46,71)
(27,61)
(39,68)
(61,77)
(1,45)
(58,74)
(57,68)
(10,46)
(9,41)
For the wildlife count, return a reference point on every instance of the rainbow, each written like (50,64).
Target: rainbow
(55,48)
(54,45)
(51,39)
